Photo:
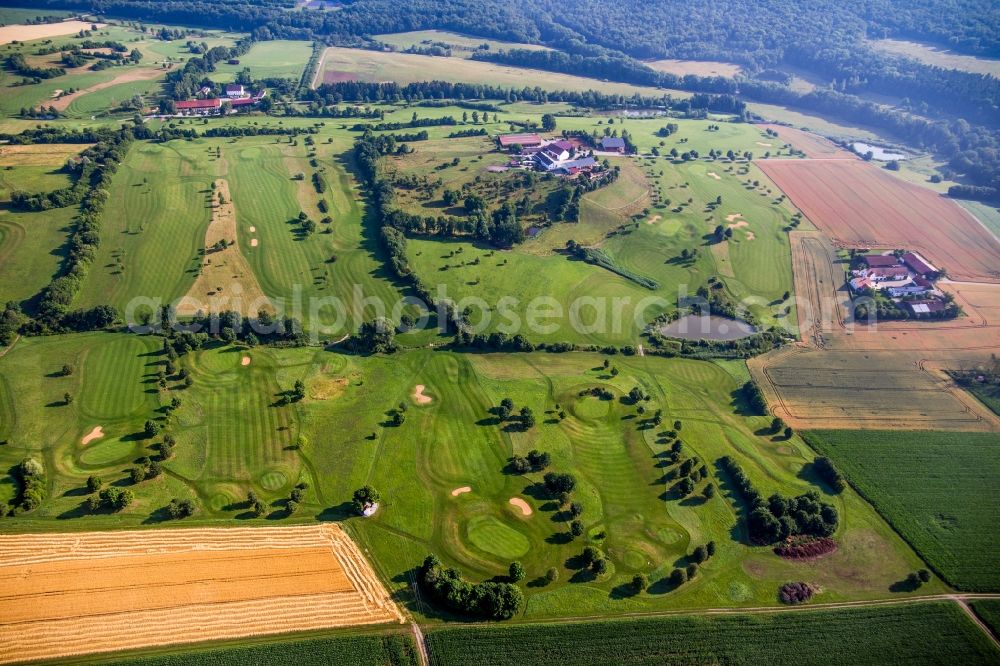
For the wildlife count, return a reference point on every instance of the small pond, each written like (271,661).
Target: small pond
(710,327)
(878,153)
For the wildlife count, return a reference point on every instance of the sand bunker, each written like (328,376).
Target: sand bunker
(766,145)
(654,219)
(96,433)
(750,235)
(522,505)
(253,242)
(418,395)
(733,216)
(738,224)
(245,360)
(253,230)
(712,174)
(459,491)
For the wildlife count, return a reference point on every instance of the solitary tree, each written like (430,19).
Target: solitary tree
(516,571)
(365,495)
(639,583)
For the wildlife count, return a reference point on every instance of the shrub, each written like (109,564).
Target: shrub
(795,593)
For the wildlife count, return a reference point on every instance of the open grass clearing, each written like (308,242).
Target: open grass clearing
(696,67)
(938,56)
(462,46)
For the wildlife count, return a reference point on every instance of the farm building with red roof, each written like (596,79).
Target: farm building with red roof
(919,265)
(526,140)
(880,260)
(198,106)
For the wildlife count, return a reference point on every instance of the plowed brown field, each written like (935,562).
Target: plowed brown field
(66,594)
(858,205)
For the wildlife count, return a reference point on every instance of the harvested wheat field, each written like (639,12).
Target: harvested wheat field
(68,594)
(226,281)
(859,205)
(813,145)
(48,154)
(24,33)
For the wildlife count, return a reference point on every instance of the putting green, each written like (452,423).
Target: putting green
(489,534)
(106,452)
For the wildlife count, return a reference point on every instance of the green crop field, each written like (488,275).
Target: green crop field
(988,611)
(921,633)
(988,215)
(272,59)
(937,489)
(376,649)
(234,435)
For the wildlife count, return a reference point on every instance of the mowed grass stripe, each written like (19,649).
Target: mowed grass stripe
(111,372)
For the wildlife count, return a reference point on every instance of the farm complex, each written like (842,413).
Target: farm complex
(340,333)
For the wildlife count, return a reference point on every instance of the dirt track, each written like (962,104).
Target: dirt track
(68,594)
(858,205)
(142,74)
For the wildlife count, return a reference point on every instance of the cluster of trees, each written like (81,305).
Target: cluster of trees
(177,509)
(188,80)
(32,487)
(535,461)
(17,63)
(365,496)
(778,517)
(829,473)
(754,397)
(111,498)
(375,336)
(489,599)
(525,419)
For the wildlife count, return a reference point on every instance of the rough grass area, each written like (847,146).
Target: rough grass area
(921,633)
(462,46)
(937,489)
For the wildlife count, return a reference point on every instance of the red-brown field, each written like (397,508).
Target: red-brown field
(67,594)
(858,205)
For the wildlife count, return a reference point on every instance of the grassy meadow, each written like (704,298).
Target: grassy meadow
(938,489)
(920,633)
(234,434)
(274,59)
(31,243)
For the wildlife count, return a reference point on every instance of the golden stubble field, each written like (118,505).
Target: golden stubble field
(89,592)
